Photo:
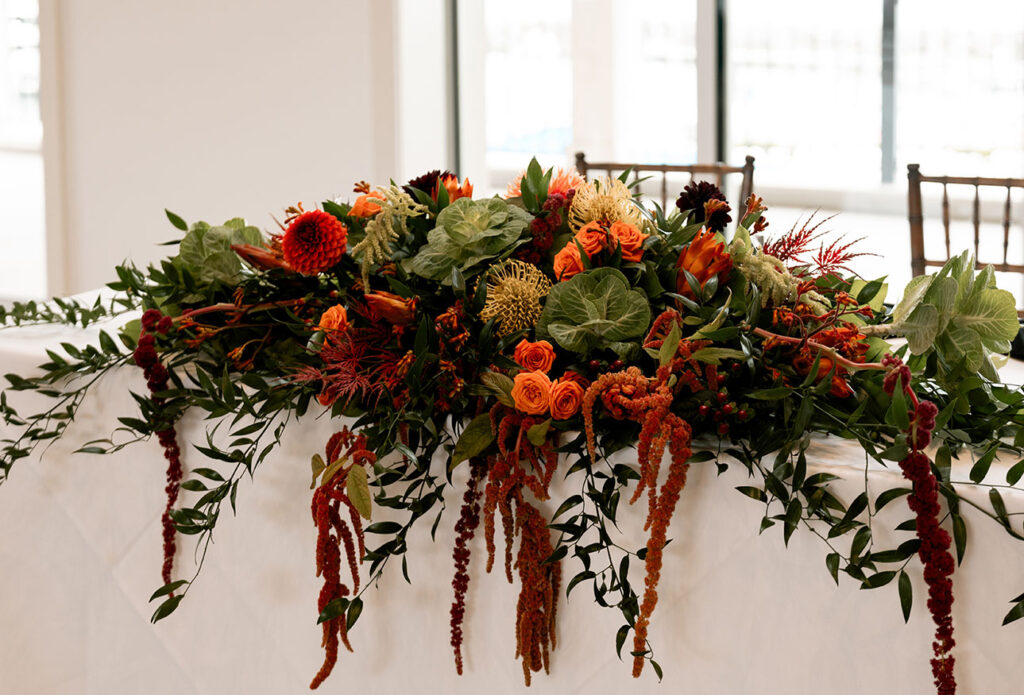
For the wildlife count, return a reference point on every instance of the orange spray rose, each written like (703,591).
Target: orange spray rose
(364,205)
(535,357)
(531,392)
(592,237)
(566,398)
(631,239)
(568,262)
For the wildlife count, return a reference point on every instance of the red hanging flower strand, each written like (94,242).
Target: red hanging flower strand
(935,541)
(155,323)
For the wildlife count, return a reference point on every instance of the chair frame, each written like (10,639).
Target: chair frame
(719,169)
(918,261)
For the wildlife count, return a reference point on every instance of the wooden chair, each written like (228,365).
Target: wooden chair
(719,170)
(918,261)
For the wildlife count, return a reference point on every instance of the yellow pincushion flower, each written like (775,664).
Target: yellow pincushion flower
(603,200)
(514,291)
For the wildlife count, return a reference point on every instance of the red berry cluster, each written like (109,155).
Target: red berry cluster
(720,408)
(155,323)
(544,226)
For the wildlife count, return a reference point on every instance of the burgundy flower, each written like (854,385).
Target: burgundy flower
(695,194)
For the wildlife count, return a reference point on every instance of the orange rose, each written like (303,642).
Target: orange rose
(531,392)
(568,262)
(566,398)
(592,238)
(631,239)
(334,320)
(363,207)
(535,357)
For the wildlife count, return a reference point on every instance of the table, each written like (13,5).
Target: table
(80,554)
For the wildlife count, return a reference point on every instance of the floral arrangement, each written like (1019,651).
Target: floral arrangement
(534,334)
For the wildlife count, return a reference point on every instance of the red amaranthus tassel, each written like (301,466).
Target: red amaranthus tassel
(155,323)
(469,519)
(518,465)
(333,532)
(935,541)
(647,401)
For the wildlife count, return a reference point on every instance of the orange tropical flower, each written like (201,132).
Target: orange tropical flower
(568,262)
(704,258)
(562,181)
(566,398)
(392,308)
(535,357)
(631,239)
(531,392)
(364,207)
(455,190)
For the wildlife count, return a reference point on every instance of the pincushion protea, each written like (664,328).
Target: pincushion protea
(314,242)
(704,258)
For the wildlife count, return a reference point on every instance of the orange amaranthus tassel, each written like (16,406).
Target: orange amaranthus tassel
(333,532)
(631,395)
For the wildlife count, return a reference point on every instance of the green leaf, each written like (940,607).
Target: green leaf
(889,495)
(832,562)
(878,580)
(475,438)
(906,595)
(670,345)
(166,608)
(980,469)
(384,527)
(332,610)
(567,505)
(753,492)
(318,466)
(959,537)
(620,639)
(772,394)
(921,327)
(537,434)
(358,489)
(1016,613)
(176,221)
(897,414)
(1013,475)
(168,588)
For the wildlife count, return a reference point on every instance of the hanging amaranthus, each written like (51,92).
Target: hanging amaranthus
(155,323)
(465,527)
(518,465)
(935,541)
(332,532)
(629,395)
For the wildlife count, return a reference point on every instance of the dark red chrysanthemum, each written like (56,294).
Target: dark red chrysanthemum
(692,200)
(314,242)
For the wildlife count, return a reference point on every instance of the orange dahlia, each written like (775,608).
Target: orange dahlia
(314,242)
(704,258)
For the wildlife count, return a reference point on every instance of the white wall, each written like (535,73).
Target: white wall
(211,109)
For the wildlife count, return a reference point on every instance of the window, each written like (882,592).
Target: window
(22,243)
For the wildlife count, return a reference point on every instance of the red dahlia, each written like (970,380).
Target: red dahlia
(314,242)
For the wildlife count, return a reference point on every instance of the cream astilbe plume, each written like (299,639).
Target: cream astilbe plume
(385,227)
(514,291)
(604,199)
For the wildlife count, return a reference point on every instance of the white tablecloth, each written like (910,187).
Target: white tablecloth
(80,553)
